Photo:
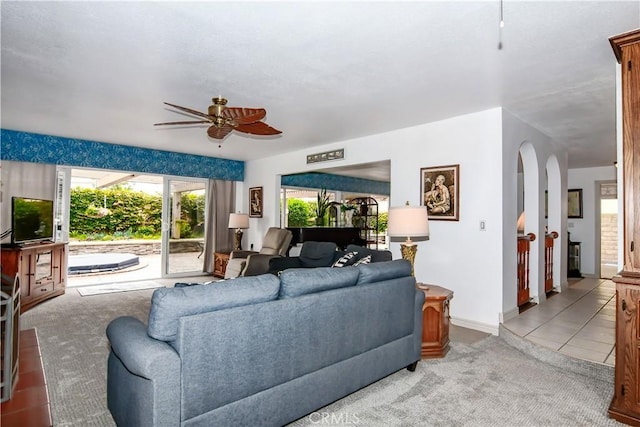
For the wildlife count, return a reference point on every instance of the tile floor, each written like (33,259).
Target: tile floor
(29,404)
(579,321)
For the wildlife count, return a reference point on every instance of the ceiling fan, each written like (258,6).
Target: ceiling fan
(224,119)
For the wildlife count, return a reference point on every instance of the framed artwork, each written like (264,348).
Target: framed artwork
(255,202)
(439,192)
(574,204)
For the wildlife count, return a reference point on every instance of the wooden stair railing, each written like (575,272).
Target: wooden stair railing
(523,267)
(548,261)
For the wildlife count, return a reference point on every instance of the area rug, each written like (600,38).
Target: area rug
(490,383)
(487,384)
(118,287)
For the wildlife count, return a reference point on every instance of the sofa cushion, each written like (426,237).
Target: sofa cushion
(317,254)
(301,281)
(379,271)
(168,305)
(376,255)
(347,259)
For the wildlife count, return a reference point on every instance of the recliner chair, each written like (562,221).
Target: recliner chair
(251,263)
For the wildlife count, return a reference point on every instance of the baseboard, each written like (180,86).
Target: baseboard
(508,315)
(470,324)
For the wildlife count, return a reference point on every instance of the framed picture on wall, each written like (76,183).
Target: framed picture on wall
(574,203)
(255,202)
(439,192)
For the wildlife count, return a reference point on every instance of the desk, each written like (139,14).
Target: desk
(435,321)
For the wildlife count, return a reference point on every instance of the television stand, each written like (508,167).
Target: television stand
(41,268)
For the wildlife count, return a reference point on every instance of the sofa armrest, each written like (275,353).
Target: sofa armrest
(257,264)
(282,263)
(143,377)
(417,325)
(141,354)
(241,254)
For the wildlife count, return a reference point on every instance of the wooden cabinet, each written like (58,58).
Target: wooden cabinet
(627,50)
(41,268)
(625,405)
(435,321)
(220,260)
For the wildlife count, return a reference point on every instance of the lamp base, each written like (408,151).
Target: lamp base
(237,240)
(409,253)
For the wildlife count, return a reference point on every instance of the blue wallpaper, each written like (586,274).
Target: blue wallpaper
(37,148)
(336,183)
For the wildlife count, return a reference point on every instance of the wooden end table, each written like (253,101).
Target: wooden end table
(220,260)
(435,320)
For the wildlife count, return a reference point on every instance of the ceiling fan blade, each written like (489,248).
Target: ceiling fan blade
(219,132)
(243,116)
(190,111)
(183,123)
(258,128)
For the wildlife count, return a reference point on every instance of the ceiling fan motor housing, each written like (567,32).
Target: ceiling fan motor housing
(216,110)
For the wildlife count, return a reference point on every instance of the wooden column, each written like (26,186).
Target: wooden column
(548,260)
(523,267)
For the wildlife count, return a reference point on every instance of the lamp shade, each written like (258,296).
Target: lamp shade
(238,220)
(408,221)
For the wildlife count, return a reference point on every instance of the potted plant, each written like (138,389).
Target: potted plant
(322,206)
(348,209)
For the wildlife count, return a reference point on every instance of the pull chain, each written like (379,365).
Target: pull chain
(501,26)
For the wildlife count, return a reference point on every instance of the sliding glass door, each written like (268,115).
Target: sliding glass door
(183,220)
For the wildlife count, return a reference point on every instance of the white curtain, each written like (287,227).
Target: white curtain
(220,203)
(24,179)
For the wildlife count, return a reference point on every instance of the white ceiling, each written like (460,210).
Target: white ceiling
(324,71)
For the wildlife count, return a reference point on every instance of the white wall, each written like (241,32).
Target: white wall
(538,148)
(584,229)
(458,255)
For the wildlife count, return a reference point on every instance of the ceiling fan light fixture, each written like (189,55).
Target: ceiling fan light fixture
(225,119)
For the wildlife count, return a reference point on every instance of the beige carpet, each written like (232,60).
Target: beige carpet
(489,383)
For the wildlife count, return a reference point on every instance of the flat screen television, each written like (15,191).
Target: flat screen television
(31,220)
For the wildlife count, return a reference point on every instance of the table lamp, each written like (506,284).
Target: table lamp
(520,224)
(238,221)
(408,221)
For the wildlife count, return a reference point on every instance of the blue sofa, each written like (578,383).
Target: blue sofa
(263,350)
